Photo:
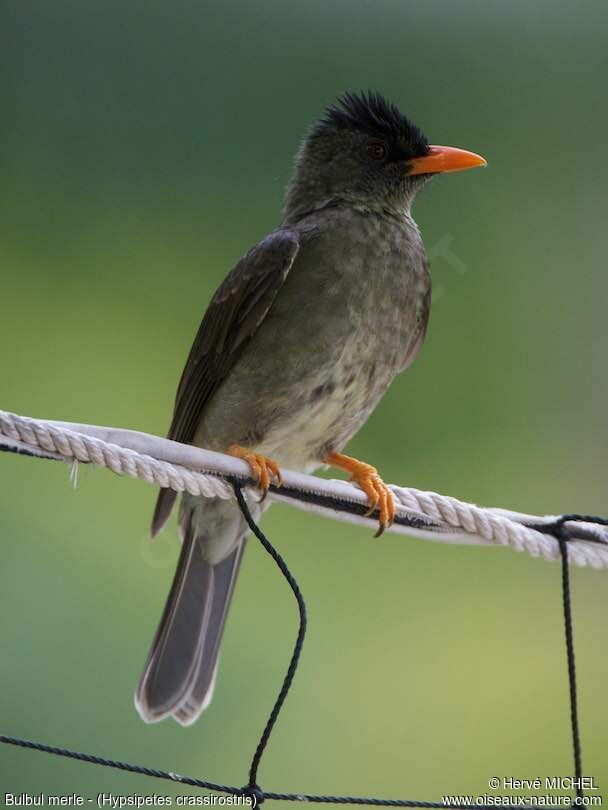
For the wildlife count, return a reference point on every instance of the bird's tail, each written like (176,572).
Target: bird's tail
(179,675)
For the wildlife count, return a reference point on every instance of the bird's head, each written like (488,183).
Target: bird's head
(365,152)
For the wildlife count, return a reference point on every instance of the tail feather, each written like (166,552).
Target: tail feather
(203,678)
(179,675)
(162,510)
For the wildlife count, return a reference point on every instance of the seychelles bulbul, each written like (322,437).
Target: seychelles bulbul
(296,348)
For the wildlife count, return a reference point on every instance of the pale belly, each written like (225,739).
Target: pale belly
(323,420)
(298,412)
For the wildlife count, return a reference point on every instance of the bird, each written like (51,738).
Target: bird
(295,350)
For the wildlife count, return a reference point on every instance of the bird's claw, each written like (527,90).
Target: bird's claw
(263,470)
(379,495)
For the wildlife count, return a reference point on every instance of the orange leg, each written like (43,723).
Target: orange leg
(262,469)
(367,478)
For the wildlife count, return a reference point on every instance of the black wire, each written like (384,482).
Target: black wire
(557,528)
(121,766)
(350,507)
(578,518)
(567,603)
(297,650)
(374,802)
(258,794)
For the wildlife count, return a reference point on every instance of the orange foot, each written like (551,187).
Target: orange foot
(262,469)
(370,482)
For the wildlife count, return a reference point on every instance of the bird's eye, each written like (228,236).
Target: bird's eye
(376,151)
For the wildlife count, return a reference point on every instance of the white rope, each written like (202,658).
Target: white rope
(202,472)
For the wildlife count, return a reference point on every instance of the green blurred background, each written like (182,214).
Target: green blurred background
(145,146)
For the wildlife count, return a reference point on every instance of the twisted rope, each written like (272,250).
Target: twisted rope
(184,468)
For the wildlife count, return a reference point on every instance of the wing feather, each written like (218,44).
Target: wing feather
(235,312)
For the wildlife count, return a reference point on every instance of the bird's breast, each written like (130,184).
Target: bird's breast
(335,337)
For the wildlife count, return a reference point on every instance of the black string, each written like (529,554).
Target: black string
(567,602)
(348,507)
(235,791)
(257,795)
(121,766)
(373,802)
(252,789)
(575,517)
(297,650)
(557,528)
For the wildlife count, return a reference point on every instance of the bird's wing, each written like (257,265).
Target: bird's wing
(236,310)
(420,331)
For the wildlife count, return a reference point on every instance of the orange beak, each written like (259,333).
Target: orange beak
(445,159)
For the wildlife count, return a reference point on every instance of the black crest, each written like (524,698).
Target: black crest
(372,113)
